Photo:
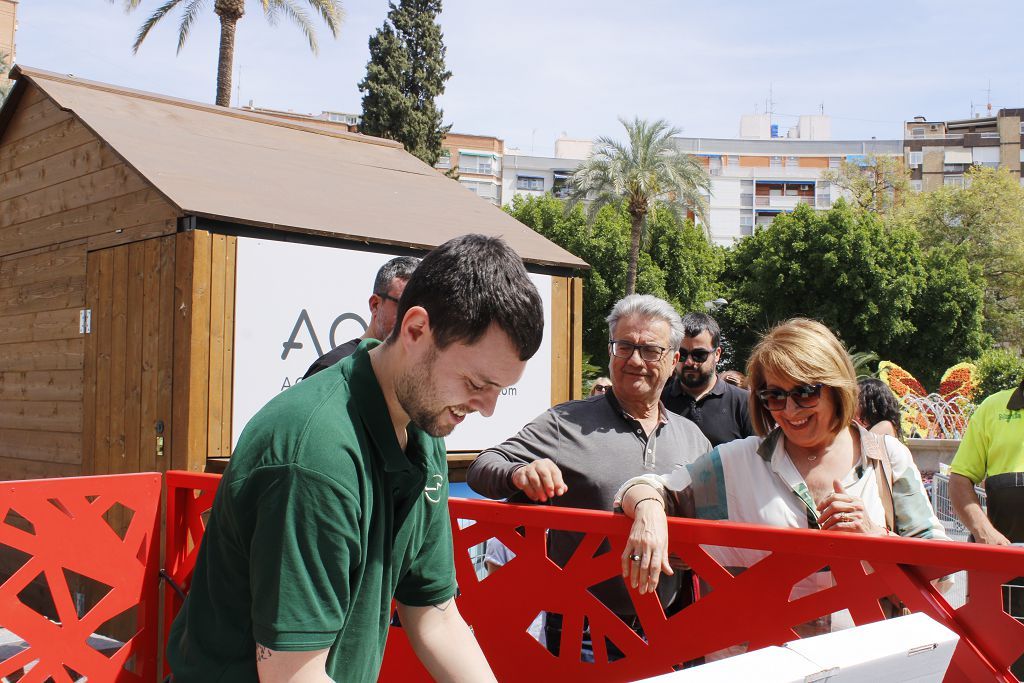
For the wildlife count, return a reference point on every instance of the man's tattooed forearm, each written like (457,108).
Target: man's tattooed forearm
(262,652)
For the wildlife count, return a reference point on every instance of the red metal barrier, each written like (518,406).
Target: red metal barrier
(189,498)
(81,553)
(754,607)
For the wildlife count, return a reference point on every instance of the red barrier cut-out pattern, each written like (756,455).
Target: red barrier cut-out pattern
(754,607)
(189,498)
(80,595)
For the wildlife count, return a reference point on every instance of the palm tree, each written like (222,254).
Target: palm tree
(230,11)
(647,171)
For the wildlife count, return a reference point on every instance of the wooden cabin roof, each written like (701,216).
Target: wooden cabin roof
(259,170)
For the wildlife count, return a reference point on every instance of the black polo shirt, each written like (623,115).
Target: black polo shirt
(722,413)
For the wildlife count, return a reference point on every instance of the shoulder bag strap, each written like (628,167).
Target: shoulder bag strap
(883,475)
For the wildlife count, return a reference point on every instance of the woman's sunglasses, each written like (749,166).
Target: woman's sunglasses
(804,396)
(601,388)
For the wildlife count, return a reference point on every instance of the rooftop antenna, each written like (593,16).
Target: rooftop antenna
(821,107)
(988,96)
(238,86)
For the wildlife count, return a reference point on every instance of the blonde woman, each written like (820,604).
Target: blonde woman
(809,466)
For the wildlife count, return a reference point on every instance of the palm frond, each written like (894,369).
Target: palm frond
(331,12)
(270,10)
(300,18)
(159,14)
(188,17)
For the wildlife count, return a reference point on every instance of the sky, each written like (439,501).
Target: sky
(530,70)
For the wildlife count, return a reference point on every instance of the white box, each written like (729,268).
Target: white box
(910,649)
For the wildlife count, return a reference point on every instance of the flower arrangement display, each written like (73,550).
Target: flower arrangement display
(938,415)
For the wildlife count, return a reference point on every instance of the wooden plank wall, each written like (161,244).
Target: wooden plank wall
(566,339)
(203,347)
(63,192)
(129,358)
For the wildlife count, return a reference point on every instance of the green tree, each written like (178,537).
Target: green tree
(871,284)
(998,369)
(404,77)
(229,12)
(946,316)
(986,220)
(677,264)
(646,172)
(878,184)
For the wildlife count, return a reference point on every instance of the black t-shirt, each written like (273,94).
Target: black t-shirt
(333,356)
(722,414)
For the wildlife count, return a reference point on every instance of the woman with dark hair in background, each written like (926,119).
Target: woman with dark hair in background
(877,408)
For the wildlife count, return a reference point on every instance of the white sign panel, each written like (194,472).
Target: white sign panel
(294,302)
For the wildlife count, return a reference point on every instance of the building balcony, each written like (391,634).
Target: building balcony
(773,172)
(782,203)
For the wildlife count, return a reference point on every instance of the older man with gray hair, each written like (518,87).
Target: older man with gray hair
(578,453)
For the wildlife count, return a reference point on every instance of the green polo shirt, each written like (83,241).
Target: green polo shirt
(994,442)
(319,520)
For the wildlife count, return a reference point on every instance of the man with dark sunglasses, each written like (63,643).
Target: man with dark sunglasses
(387,290)
(697,392)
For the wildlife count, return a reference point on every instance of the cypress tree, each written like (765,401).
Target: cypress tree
(404,76)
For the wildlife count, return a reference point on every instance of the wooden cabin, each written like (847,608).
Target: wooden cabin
(121,219)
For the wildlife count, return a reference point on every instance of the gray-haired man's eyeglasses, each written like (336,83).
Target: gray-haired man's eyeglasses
(624,349)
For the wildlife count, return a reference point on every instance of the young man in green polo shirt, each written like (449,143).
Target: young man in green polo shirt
(335,500)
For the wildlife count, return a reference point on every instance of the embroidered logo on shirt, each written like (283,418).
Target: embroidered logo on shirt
(432,491)
(1011,415)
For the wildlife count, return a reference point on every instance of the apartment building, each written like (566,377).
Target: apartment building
(478,159)
(528,174)
(939,152)
(8,27)
(754,178)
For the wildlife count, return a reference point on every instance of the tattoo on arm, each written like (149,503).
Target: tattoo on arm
(444,605)
(263,653)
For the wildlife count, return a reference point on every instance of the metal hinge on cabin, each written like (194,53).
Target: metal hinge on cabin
(85,321)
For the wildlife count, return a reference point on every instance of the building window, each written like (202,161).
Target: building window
(915,159)
(792,162)
(560,187)
(734,159)
(746,199)
(990,136)
(775,162)
(917,132)
(445,160)
(715,166)
(953,180)
(487,191)
(471,163)
(525,182)
(746,224)
(834,162)
(916,185)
